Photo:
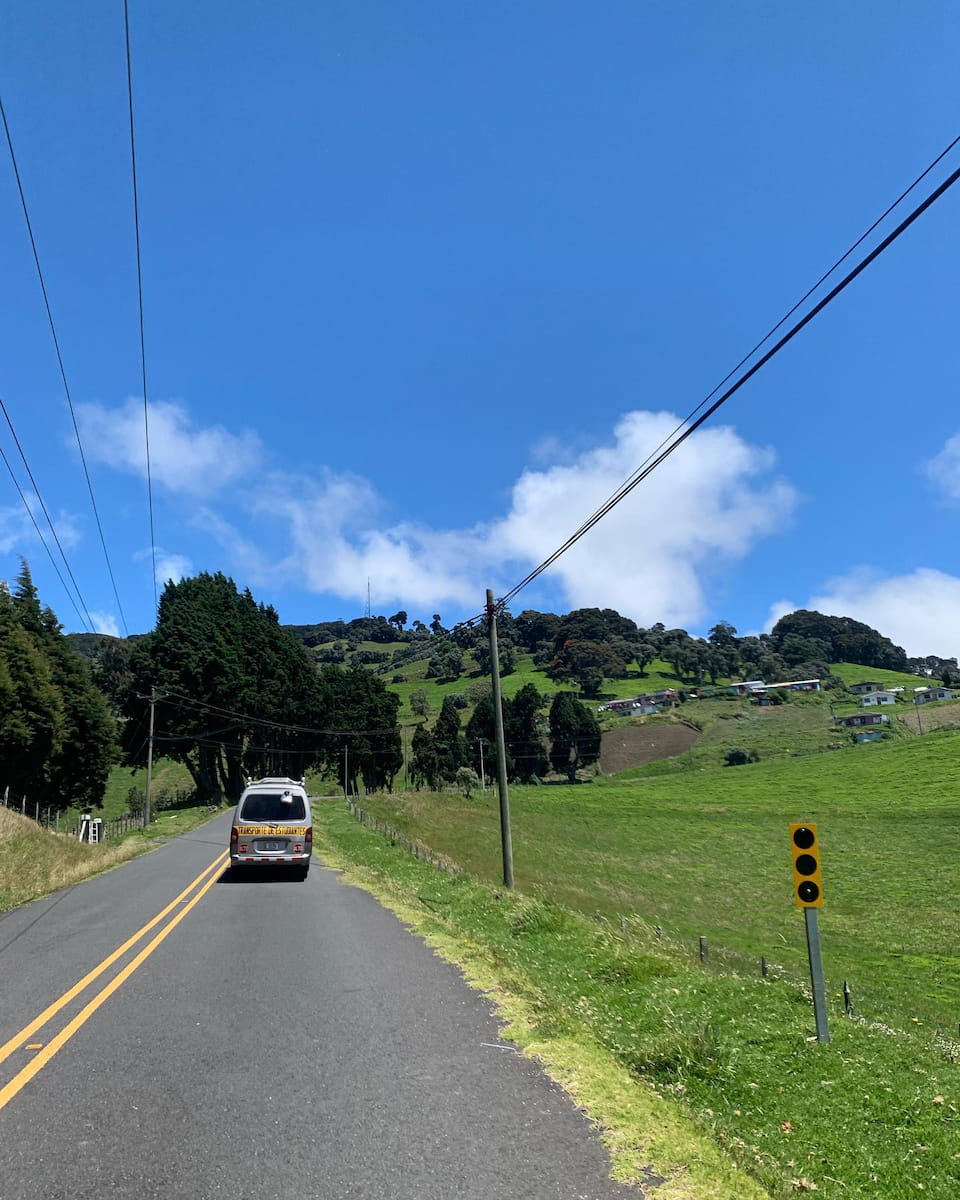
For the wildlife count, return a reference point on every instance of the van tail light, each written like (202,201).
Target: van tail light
(308,839)
(233,836)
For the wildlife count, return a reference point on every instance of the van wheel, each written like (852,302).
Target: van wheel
(301,873)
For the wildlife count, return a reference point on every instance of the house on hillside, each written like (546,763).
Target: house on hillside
(925,695)
(868,685)
(872,735)
(860,719)
(877,698)
(747,687)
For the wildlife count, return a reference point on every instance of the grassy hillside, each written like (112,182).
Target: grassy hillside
(637,1029)
(34,862)
(705,852)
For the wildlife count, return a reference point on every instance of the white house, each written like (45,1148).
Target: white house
(868,685)
(877,698)
(934,693)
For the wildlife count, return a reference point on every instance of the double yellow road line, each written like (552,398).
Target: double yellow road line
(46,1051)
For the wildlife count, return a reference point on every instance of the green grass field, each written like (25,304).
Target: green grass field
(705,853)
(872,1114)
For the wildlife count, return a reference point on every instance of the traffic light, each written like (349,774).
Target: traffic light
(807,884)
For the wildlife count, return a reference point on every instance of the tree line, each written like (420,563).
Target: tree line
(564,740)
(58,737)
(589,645)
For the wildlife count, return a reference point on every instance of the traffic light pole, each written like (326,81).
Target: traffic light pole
(817,984)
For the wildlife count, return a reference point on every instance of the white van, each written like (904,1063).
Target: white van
(272,827)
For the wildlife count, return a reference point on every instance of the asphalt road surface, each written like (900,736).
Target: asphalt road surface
(261,1039)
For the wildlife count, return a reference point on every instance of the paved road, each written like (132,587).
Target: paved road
(281,1040)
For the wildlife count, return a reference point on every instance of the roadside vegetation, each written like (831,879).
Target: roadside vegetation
(640,1033)
(35,862)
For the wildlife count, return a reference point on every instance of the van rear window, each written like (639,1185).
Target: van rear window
(273,806)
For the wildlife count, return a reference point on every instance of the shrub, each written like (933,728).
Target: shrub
(736,756)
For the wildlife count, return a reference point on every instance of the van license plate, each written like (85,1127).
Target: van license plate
(272,847)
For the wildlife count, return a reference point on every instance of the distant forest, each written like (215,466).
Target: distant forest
(237,693)
(590,644)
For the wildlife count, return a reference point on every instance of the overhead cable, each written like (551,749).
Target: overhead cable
(63,373)
(689,425)
(143,350)
(43,542)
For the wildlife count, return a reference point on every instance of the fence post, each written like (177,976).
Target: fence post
(764,970)
(704,956)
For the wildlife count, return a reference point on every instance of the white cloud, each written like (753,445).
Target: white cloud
(17,530)
(105,623)
(778,609)
(705,507)
(183,457)
(944,468)
(919,611)
(169,565)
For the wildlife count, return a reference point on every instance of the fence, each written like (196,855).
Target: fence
(867,1009)
(46,818)
(56,820)
(417,849)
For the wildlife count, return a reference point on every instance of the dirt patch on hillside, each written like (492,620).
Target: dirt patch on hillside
(634,745)
(922,718)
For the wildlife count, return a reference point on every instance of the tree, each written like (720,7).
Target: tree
(58,738)
(574,736)
(423,758)
(467,781)
(216,650)
(506,652)
(481,731)
(523,731)
(448,740)
(722,635)
(398,620)
(419,702)
(436,625)
(588,663)
(644,653)
(357,702)
(535,628)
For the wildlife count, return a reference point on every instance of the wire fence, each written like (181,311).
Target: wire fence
(857,1004)
(58,820)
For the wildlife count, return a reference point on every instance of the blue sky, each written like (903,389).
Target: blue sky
(424,283)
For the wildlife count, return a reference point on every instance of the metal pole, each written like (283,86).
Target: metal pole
(344,770)
(506,843)
(919,722)
(817,985)
(146,798)
(483,774)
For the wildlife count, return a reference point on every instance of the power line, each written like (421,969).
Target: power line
(675,440)
(63,373)
(245,717)
(53,561)
(143,351)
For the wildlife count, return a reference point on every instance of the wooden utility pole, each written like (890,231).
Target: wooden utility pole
(146,798)
(506,842)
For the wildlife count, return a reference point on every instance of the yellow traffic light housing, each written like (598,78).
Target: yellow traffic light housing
(807,883)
